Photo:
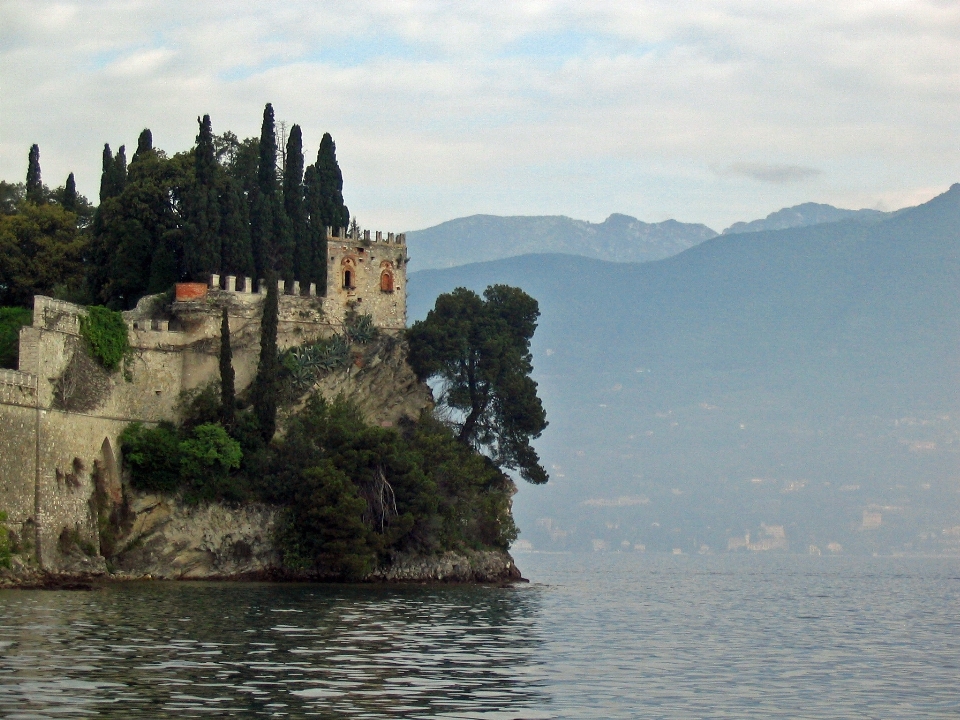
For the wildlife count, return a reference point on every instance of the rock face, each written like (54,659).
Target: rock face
(380,382)
(480,566)
(168,539)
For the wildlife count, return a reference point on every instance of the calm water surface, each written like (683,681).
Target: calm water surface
(593,636)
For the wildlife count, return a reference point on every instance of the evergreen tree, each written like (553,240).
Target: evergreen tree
(236,256)
(316,234)
(144,144)
(293,206)
(266,384)
(323,189)
(34,184)
(69,199)
(106,174)
(480,349)
(227,375)
(120,170)
(269,228)
(113,177)
(262,207)
(328,197)
(201,210)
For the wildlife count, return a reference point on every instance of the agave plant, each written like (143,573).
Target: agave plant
(360,329)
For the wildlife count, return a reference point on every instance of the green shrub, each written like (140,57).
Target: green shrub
(11,320)
(200,405)
(209,453)
(105,333)
(153,455)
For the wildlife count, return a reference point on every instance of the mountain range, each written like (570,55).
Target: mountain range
(794,389)
(619,238)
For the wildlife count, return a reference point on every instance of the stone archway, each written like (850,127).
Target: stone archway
(107,501)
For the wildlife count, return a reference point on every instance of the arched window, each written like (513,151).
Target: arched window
(386,281)
(348,267)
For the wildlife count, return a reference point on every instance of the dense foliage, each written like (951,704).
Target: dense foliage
(197,461)
(479,351)
(11,320)
(227,206)
(105,334)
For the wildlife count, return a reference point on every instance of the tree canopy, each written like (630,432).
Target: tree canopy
(479,351)
(222,207)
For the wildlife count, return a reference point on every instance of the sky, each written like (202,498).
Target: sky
(707,111)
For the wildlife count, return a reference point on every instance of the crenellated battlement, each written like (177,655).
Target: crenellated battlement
(15,378)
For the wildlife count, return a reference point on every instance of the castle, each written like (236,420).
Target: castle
(62,413)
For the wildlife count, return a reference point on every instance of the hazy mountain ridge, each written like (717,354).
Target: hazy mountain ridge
(480,238)
(807,379)
(804,215)
(619,238)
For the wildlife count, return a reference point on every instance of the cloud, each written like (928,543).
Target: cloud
(509,106)
(775,174)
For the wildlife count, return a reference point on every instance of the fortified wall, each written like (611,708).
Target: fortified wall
(62,413)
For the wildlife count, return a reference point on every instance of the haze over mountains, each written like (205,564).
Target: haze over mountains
(802,385)
(619,238)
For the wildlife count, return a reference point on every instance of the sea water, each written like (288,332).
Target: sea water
(592,636)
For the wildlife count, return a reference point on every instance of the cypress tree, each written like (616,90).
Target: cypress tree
(330,182)
(293,207)
(34,185)
(323,185)
(144,145)
(120,170)
(267,381)
(267,168)
(227,375)
(269,228)
(106,175)
(261,210)
(316,233)
(113,177)
(236,257)
(69,200)
(201,242)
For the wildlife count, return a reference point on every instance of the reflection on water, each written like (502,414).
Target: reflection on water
(188,650)
(615,636)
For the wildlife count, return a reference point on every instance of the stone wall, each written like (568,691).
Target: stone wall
(62,413)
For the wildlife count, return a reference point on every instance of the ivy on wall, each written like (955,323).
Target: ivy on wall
(105,333)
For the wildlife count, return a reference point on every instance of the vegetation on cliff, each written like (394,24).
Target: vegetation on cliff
(355,494)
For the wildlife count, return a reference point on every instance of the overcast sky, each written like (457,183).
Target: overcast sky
(705,111)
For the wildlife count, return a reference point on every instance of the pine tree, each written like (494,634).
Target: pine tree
(69,200)
(293,207)
(34,184)
(266,384)
(201,210)
(227,375)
